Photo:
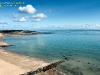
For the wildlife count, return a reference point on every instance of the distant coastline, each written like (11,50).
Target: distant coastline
(22,32)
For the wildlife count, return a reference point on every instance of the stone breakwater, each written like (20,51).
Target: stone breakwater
(46,68)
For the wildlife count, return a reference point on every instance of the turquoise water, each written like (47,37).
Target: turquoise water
(82,48)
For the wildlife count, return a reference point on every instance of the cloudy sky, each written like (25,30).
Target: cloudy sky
(51,14)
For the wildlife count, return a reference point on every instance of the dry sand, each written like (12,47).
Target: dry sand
(15,64)
(8,68)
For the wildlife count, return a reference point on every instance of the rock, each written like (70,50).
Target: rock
(78,61)
(75,54)
(70,55)
(66,58)
(63,56)
(88,63)
(90,68)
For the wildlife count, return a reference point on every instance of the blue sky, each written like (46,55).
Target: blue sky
(51,14)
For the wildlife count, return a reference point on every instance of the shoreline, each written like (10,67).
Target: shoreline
(5,66)
(21,60)
(15,63)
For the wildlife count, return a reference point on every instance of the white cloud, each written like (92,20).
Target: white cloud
(36,20)
(27,9)
(15,15)
(39,16)
(1,22)
(97,25)
(23,19)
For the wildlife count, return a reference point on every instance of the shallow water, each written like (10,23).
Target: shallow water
(80,49)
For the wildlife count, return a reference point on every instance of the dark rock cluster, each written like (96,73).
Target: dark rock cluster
(68,66)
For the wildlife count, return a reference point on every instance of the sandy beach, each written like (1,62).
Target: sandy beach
(14,64)
(7,67)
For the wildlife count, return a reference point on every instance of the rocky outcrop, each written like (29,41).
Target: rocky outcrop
(22,32)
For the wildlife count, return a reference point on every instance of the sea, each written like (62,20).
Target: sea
(79,48)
